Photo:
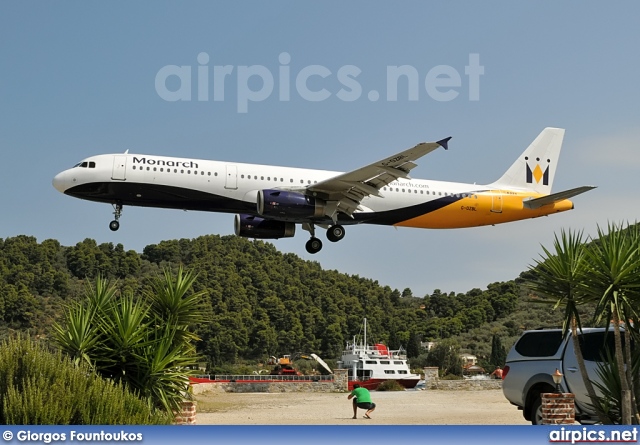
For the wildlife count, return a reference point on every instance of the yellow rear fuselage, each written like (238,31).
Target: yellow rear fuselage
(482,209)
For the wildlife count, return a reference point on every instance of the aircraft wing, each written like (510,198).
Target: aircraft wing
(555,197)
(343,193)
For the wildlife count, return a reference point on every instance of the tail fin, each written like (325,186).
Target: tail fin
(535,168)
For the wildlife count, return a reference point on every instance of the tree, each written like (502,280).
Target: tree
(559,276)
(144,343)
(613,281)
(446,356)
(498,354)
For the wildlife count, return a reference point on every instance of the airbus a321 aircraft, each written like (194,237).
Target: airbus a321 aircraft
(269,201)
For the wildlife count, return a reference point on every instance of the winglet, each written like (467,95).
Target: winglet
(444,143)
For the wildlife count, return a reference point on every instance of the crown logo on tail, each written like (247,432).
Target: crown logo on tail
(537,174)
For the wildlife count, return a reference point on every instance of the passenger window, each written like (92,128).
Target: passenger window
(596,345)
(539,343)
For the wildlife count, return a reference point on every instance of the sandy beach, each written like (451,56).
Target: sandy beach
(428,407)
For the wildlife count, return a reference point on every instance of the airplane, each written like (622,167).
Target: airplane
(269,201)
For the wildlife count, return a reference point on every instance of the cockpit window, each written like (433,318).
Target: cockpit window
(85,164)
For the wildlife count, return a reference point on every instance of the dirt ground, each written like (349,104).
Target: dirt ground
(428,407)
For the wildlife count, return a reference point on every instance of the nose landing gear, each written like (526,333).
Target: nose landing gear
(115,224)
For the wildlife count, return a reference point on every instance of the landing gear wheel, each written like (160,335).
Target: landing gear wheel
(335,233)
(314,245)
(117,212)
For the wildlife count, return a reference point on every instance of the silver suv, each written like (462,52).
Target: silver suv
(537,354)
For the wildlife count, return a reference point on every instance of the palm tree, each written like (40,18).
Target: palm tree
(559,276)
(173,303)
(144,343)
(79,336)
(614,281)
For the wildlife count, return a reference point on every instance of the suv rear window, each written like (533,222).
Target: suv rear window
(539,343)
(595,344)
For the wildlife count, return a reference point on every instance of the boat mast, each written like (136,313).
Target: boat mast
(365,333)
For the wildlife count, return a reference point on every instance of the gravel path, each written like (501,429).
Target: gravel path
(429,407)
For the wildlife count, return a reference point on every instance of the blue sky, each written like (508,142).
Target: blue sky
(79,78)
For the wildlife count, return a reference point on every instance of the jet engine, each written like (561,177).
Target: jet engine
(250,226)
(283,204)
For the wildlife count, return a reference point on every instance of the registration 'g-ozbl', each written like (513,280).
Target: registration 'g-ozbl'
(269,201)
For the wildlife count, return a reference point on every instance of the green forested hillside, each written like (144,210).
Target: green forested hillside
(260,302)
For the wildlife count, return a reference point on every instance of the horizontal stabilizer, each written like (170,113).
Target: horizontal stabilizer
(555,197)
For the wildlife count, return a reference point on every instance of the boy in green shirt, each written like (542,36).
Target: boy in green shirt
(361,399)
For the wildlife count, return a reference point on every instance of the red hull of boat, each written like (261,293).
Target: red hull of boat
(373,384)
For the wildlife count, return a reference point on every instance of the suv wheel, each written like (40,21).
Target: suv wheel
(536,411)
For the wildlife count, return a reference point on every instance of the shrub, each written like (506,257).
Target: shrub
(39,387)
(143,343)
(390,385)
(451,377)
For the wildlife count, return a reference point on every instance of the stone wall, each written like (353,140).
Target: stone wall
(432,381)
(266,387)
(339,384)
(464,385)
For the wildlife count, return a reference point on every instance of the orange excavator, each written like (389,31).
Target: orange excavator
(284,364)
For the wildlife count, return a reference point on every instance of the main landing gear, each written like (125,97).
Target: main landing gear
(117,212)
(334,234)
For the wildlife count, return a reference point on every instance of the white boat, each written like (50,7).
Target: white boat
(369,366)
